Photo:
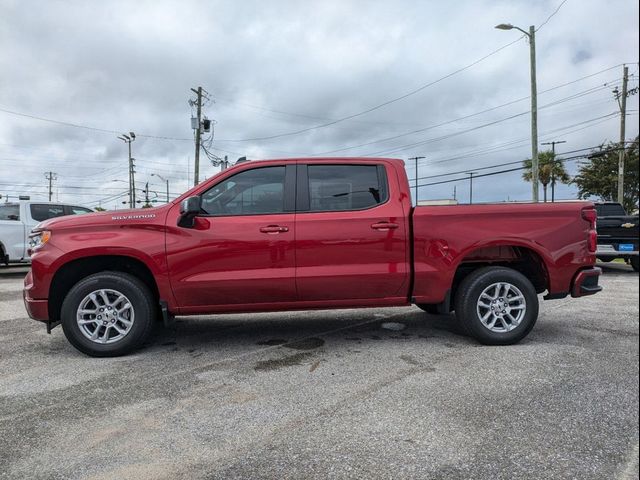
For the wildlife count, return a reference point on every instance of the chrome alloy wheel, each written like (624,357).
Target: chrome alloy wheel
(105,316)
(501,307)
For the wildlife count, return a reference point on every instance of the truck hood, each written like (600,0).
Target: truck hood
(111,218)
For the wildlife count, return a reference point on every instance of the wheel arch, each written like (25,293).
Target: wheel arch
(519,256)
(75,270)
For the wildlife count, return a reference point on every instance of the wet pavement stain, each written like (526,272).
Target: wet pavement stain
(353,339)
(306,344)
(272,342)
(375,337)
(278,363)
(409,359)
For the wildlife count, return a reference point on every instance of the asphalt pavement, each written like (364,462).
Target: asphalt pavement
(378,393)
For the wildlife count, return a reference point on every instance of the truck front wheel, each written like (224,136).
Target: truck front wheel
(496,305)
(108,314)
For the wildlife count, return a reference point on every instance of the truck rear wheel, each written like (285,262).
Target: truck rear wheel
(634,262)
(496,305)
(108,314)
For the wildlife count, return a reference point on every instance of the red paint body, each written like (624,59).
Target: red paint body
(311,260)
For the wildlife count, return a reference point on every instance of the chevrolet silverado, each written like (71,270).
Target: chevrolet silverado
(302,234)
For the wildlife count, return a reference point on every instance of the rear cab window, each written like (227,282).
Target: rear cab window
(9,211)
(334,188)
(44,211)
(610,210)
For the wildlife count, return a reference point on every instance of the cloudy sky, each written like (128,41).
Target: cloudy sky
(293,78)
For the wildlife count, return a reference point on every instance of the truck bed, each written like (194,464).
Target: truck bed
(552,235)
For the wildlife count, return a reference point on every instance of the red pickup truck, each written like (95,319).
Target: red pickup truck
(302,234)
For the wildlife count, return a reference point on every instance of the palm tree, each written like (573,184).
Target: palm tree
(550,171)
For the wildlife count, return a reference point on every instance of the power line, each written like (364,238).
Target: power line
(382,140)
(162,137)
(498,148)
(551,16)
(378,106)
(504,164)
(577,157)
(478,127)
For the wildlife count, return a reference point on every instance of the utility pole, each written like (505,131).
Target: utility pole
(416,181)
(146,195)
(622,103)
(471,174)
(132,180)
(534,114)
(132,166)
(51,176)
(531,34)
(553,167)
(200,93)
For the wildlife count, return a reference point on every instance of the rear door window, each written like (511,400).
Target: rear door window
(346,187)
(44,211)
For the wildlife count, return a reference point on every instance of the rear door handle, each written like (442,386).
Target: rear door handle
(384,226)
(274,229)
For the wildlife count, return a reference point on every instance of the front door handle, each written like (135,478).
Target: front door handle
(272,229)
(384,226)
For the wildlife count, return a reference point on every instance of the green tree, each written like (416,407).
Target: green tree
(598,176)
(100,209)
(550,170)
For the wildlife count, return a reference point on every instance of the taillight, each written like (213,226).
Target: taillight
(593,241)
(590,215)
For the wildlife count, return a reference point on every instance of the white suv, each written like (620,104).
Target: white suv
(17,220)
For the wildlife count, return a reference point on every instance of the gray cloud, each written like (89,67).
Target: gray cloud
(275,67)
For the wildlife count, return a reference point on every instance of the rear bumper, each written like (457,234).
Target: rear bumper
(37,309)
(611,251)
(586,282)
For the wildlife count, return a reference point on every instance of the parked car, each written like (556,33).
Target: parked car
(617,234)
(307,234)
(17,220)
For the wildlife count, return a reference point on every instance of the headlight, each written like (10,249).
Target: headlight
(38,239)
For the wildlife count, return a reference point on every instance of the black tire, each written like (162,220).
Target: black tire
(468,295)
(430,308)
(4,258)
(138,295)
(634,262)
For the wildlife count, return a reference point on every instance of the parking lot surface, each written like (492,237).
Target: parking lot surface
(328,394)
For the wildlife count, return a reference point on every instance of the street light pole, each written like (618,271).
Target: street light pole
(531,34)
(164,180)
(416,159)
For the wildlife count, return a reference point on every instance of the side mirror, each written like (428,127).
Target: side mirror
(189,209)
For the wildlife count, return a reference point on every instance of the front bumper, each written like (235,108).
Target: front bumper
(37,309)
(586,282)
